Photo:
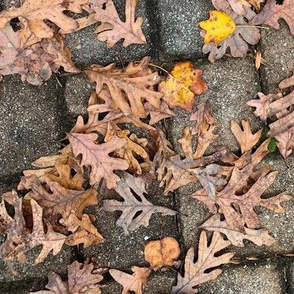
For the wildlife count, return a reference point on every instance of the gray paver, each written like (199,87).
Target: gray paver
(247,279)
(179,31)
(31,123)
(278,50)
(87,49)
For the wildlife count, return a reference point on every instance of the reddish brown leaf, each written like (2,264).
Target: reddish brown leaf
(196,271)
(97,157)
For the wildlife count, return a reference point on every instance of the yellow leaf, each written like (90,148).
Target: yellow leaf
(181,86)
(218,27)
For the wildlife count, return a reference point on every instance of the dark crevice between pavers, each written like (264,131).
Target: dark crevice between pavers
(23,286)
(288,275)
(9,182)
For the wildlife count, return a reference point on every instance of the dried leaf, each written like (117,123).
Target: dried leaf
(186,142)
(132,150)
(82,278)
(162,252)
(20,239)
(113,29)
(97,157)
(237,42)
(287,83)
(181,85)
(245,138)
(86,233)
(237,201)
(58,201)
(128,88)
(131,206)
(157,114)
(218,27)
(196,272)
(33,13)
(133,282)
(273,11)
(285,142)
(258,237)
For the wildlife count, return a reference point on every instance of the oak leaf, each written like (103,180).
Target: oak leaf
(35,12)
(82,278)
(56,200)
(218,27)
(84,232)
(132,150)
(196,272)
(20,239)
(237,201)
(273,11)
(237,41)
(236,237)
(245,138)
(131,189)
(181,85)
(131,283)
(97,157)
(162,252)
(128,88)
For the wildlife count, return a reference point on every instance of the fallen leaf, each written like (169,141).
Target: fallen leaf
(181,86)
(19,239)
(86,233)
(162,252)
(285,142)
(112,29)
(128,88)
(237,207)
(132,151)
(237,41)
(272,12)
(218,27)
(132,190)
(56,200)
(259,237)
(133,282)
(97,157)
(82,278)
(287,83)
(196,272)
(157,114)
(245,138)
(34,12)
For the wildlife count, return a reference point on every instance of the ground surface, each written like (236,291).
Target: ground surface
(33,120)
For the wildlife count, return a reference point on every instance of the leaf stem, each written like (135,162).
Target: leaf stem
(252,26)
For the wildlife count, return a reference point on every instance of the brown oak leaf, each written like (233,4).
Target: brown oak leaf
(56,200)
(36,63)
(33,13)
(82,278)
(237,42)
(97,157)
(132,150)
(131,189)
(19,239)
(245,138)
(236,237)
(162,252)
(237,201)
(132,283)
(128,88)
(196,272)
(273,11)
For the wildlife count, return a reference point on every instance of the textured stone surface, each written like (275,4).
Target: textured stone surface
(179,31)
(87,49)
(30,123)
(278,50)
(252,277)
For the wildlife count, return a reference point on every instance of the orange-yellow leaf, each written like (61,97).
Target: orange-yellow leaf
(181,86)
(218,27)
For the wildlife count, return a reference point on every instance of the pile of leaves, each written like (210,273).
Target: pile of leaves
(102,153)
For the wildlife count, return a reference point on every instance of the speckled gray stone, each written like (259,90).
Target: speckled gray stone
(179,30)
(77,93)
(277,48)
(87,49)
(30,123)
(249,278)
